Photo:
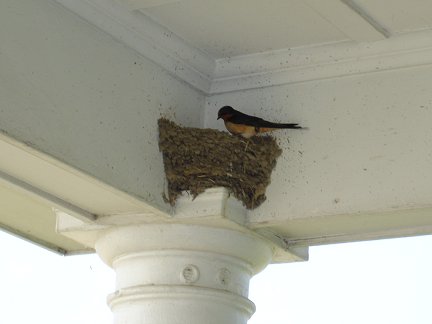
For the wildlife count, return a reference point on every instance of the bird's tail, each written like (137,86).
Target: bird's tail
(267,124)
(294,126)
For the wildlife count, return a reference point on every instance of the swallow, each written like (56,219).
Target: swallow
(238,123)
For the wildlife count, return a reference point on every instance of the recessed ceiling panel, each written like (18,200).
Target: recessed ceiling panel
(237,27)
(400,16)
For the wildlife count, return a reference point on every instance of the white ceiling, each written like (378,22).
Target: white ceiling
(224,28)
(229,28)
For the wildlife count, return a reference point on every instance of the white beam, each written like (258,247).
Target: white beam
(40,175)
(350,19)
(367,17)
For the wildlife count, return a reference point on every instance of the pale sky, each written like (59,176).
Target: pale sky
(379,282)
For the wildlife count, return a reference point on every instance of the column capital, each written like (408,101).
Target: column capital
(192,266)
(213,208)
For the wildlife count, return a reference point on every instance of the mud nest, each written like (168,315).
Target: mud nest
(197,159)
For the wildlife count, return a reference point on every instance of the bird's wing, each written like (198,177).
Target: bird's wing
(241,118)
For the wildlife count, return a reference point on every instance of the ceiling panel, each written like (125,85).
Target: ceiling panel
(400,16)
(237,27)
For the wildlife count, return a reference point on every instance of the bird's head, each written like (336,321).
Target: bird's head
(225,112)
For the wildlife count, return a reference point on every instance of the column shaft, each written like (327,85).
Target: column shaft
(184,274)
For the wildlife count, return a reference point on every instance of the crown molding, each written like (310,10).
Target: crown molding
(148,38)
(325,61)
(284,66)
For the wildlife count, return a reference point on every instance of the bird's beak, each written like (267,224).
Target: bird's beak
(219,117)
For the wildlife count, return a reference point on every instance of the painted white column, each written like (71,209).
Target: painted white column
(182,273)
(190,267)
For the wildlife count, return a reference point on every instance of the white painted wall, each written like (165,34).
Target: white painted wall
(74,92)
(368,147)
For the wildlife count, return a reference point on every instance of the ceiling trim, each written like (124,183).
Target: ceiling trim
(285,66)
(401,221)
(326,61)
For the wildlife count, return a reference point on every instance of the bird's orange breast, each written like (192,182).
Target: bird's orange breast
(246,131)
(240,129)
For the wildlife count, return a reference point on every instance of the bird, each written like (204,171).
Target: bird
(238,123)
